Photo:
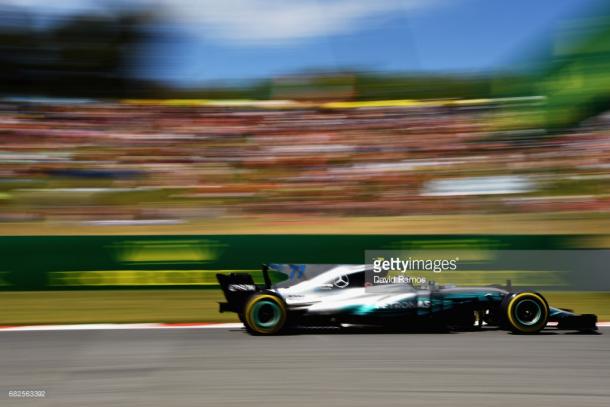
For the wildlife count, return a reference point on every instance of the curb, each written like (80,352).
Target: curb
(108,327)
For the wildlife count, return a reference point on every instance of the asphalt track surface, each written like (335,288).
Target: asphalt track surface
(227,367)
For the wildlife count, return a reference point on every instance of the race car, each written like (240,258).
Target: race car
(342,296)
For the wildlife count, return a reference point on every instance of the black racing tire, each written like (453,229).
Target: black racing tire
(264,314)
(525,312)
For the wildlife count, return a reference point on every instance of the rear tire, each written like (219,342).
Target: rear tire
(525,312)
(264,314)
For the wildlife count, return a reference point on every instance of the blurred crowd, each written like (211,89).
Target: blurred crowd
(115,161)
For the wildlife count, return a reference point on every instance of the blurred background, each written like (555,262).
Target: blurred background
(159,117)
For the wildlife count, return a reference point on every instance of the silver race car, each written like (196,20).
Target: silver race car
(342,296)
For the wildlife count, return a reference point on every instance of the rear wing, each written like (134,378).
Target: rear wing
(238,287)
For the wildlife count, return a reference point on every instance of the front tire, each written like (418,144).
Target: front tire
(264,314)
(525,312)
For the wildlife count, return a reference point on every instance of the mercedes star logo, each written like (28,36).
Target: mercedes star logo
(341,281)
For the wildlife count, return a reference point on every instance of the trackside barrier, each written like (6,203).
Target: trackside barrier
(111,262)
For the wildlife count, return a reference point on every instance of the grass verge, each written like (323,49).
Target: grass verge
(515,223)
(73,307)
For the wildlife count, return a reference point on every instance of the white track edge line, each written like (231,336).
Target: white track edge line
(108,327)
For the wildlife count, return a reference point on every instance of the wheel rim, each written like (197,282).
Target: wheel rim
(266,314)
(528,312)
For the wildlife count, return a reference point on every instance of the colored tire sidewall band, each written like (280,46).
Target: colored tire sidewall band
(251,309)
(517,324)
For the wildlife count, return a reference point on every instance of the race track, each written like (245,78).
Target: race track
(226,367)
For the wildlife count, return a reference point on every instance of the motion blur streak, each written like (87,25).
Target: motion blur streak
(303,130)
(230,368)
(87,137)
(113,161)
